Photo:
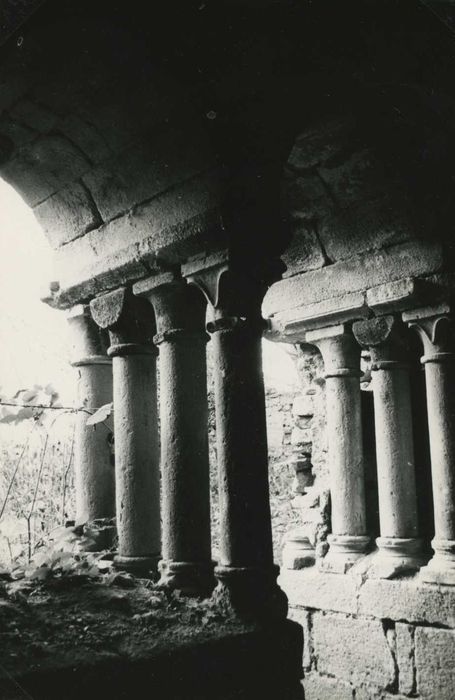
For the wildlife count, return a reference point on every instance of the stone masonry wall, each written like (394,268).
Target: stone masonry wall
(373,640)
(364,639)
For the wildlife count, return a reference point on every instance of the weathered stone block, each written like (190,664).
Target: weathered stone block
(67,215)
(89,139)
(301,436)
(319,687)
(44,167)
(312,589)
(408,600)
(435,666)
(354,650)
(143,171)
(360,273)
(34,116)
(303,405)
(171,227)
(405,657)
(303,618)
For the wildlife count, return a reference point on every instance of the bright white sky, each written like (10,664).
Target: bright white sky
(34,337)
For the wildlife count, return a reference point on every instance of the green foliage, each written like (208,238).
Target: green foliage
(62,557)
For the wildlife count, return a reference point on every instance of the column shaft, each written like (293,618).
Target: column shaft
(137,459)
(341,355)
(344,430)
(395,453)
(131,326)
(398,546)
(246,572)
(246,536)
(93,457)
(181,339)
(435,328)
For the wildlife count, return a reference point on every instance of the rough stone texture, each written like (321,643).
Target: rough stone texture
(359,273)
(67,215)
(319,687)
(404,599)
(144,170)
(303,618)
(407,600)
(435,653)
(405,657)
(43,167)
(355,651)
(34,116)
(312,589)
(171,226)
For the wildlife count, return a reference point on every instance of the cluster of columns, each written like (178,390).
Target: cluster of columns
(166,314)
(398,548)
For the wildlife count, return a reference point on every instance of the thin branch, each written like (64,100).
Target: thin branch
(10,485)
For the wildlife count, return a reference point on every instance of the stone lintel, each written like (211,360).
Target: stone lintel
(397,296)
(150,284)
(205,261)
(427,312)
(294,324)
(325,333)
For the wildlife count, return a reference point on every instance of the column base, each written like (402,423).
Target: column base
(98,535)
(190,578)
(394,556)
(251,592)
(144,566)
(441,568)
(298,552)
(344,552)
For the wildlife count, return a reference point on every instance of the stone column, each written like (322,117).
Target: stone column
(341,355)
(180,320)
(398,546)
(436,330)
(246,572)
(131,326)
(93,458)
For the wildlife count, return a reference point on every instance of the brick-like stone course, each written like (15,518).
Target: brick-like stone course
(405,657)
(353,650)
(435,663)
(359,273)
(319,687)
(67,215)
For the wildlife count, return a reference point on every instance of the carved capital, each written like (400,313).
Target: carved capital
(386,339)
(179,307)
(436,330)
(339,350)
(129,320)
(89,343)
(232,290)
